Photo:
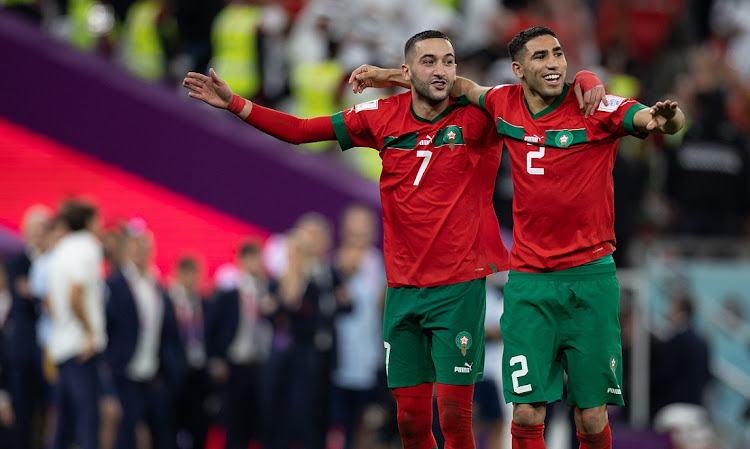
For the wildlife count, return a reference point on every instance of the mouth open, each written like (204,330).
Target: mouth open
(439,84)
(553,79)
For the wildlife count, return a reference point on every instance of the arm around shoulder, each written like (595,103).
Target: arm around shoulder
(470,89)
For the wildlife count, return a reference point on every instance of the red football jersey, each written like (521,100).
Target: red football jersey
(561,165)
(436,186)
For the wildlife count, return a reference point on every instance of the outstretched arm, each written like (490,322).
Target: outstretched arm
(216,92)
(664,118)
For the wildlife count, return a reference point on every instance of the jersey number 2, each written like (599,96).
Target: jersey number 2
(427,155)
(524,370)
(534,155)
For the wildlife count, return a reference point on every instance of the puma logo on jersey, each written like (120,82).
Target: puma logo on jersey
(426,141)
(466,369)
(533,139)
(614,391)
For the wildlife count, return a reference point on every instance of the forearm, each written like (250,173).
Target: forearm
(77,306)
(469,89)
(283,126)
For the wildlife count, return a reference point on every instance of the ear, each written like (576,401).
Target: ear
(406,72)
(517,69)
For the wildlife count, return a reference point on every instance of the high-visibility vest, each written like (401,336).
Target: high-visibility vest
(143,52)
(81,36)
(234,37)
(314,88)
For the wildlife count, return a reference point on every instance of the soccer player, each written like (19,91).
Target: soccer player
(562,296)
(441,236)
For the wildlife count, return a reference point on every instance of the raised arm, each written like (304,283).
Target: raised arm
(216,92)
(664,118)
(589,90)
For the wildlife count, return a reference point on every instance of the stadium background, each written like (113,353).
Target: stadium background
(77,118)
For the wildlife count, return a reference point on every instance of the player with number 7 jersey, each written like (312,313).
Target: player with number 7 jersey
(436,188)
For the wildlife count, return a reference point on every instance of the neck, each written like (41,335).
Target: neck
(427,109)
(537,102)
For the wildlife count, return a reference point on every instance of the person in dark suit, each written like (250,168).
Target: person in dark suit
(22,350)
(238,341)
(190,411)
(6,408)
(144,350)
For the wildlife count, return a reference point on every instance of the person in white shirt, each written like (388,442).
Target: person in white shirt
(77,331)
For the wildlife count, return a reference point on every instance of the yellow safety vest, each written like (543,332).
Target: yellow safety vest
(314,88)
(235,48)
(81,36)
(143,53)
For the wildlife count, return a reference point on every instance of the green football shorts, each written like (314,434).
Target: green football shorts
(435,334)
(564,321)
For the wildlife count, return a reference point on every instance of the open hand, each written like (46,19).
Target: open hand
(589,101)
(366,76)
(210,89)
(661,113)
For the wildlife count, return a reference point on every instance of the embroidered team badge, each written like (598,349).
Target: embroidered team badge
(564,139)
(452,138)
(613,365)
(463,341)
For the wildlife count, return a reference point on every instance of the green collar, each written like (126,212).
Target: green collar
(550,108)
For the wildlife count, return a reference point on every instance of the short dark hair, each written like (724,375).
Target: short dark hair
(423,35)
(250,248)
(517,45)
(76,214)
(187,263)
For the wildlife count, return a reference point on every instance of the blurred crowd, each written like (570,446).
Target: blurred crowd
(284,350)
(288,337)
(296,56)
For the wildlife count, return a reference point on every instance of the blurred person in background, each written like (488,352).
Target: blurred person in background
(78,326)
(357,379)
(6,407)
(316,229)
(26,384)
(292,378)
(191,419)
(238,341)
(682,360)
(708,174)
(144,350)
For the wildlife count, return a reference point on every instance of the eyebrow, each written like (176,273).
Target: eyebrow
(430,55)
(544,52)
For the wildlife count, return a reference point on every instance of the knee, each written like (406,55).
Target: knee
(591,420)
(529,414)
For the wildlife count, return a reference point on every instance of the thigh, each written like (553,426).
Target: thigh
(532,368)
(407,346)
(593,349)
(455,318)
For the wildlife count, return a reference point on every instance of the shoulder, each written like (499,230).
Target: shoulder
(379,105)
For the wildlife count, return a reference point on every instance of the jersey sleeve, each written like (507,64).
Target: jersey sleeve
(482,134)
(353,127)
(617,117)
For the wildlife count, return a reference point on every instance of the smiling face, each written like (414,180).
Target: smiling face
(541,66)
(431,67)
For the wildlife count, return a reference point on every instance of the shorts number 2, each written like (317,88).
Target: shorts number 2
(518,389)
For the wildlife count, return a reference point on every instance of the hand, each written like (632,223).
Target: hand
(589,101)
(218,369)
(366,76)
(661,113)
(88,349)
(210,89)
